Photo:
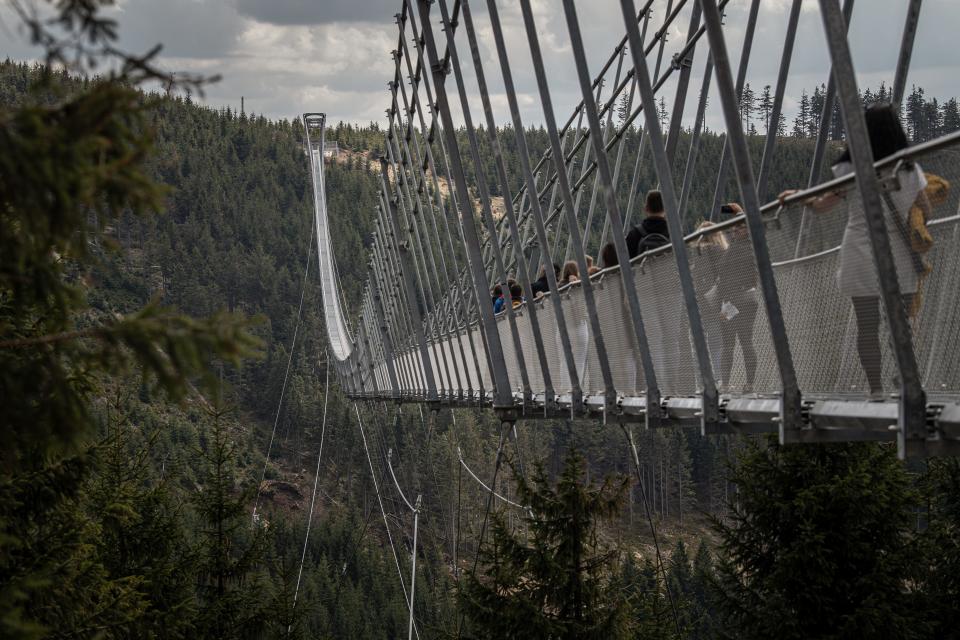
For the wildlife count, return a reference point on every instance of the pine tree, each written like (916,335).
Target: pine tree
(681,583)
(701,596)
(557,584)
(644,594)
(765,108)
(748,106)
(74,161)
(228,589)
(801,123)
(950,116)
(836,122)
(883,94)
(817,100)
(818,545)
(939,574)
(662,111)
(623,110)
(915,115)
(932,119)
(141,540)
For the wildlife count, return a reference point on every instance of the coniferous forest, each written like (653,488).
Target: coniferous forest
(163,378)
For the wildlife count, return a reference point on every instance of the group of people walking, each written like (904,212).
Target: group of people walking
(725,274)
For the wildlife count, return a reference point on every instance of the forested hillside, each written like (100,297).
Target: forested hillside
(144,527)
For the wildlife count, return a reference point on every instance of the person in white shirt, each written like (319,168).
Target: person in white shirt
(857,276)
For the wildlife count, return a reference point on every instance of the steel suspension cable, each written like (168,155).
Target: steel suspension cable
(486,516)
(383,511)
(286,374)
(316,478)
(415,510)
(496,495)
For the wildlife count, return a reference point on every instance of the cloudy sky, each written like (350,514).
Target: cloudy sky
(286,57)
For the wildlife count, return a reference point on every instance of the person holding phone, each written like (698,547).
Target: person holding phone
(735,301)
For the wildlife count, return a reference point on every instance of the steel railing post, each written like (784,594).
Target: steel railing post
(911,436)
(503,398)
(406,267)
(773,124)
(613,213)
(381,316)
(790,411)
(741,79)
(511,226)
(906,52)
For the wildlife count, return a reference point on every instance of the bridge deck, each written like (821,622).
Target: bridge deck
(742,326)
(820,322)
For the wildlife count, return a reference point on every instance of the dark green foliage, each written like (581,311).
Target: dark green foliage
(141,530)
(818,545)
(229,594)
(556,583)
(700,598)
(123,514)
(72,164)
(939,574)
(643,591)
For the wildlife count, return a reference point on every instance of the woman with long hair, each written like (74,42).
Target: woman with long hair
(857,277)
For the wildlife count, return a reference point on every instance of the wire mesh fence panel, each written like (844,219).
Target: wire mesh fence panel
(478,346)
(665,320)
(938,335)
(935,321)
(465,356)
(436,367)
(551,344)
(528,345)
(618,337)
(578,327)
(837,331)
(509,351)
(829,288)
(461,379)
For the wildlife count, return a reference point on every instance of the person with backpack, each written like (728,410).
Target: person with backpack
(540,286)
(653,231)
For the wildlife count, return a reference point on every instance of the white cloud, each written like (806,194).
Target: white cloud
(290,56)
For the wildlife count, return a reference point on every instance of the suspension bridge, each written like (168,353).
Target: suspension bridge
(647,339)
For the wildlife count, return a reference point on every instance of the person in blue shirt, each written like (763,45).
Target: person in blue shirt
(498,300)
